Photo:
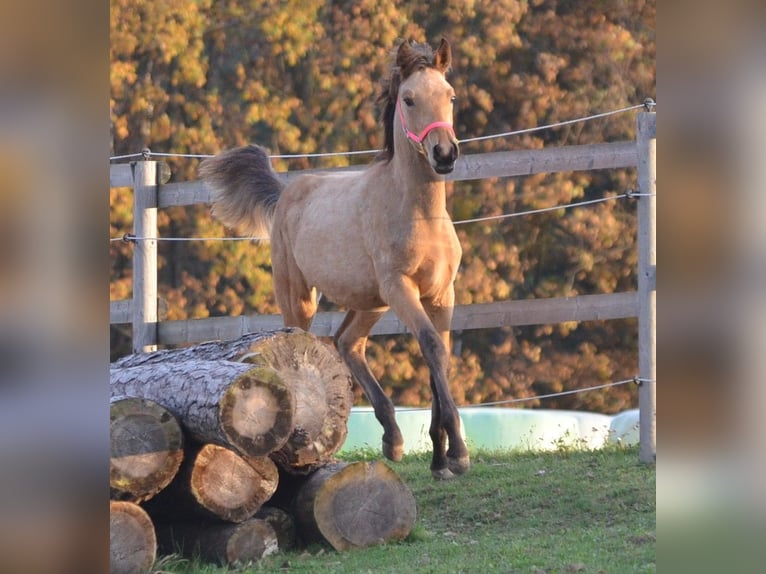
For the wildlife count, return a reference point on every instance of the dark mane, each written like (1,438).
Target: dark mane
(419,55)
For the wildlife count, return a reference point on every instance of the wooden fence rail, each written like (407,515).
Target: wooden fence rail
(466,317)
(468,167)
(151,191)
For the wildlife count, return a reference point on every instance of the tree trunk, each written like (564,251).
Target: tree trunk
(234,545)
(146,446)
(312,370)
(216,482)
(245,406)
(132,540)
(354,505)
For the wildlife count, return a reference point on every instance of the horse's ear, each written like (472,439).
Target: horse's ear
(404,55)
(443,58)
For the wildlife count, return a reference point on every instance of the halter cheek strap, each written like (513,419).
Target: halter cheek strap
(418,139)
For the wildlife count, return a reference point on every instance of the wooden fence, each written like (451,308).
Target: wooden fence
(151,191)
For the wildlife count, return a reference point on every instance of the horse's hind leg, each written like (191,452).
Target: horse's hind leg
(351,341)
(296,300)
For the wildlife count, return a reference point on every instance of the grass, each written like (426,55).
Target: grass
(538,513)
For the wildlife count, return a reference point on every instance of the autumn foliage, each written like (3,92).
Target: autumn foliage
(298,77)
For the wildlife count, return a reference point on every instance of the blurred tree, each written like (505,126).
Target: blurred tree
(199,77)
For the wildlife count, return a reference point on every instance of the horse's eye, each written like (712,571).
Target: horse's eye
(453,99)
(409,101)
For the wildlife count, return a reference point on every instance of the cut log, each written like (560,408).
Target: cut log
(146,448)
(233,350)
(282,523)
(354,505)
(244,406)
(234,545)
(313,371)
(132,539)
(216,482)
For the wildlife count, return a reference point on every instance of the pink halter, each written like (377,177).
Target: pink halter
(418,139)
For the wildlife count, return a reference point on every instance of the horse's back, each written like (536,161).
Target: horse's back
(319,202)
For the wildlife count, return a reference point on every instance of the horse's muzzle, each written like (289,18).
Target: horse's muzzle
(444,157)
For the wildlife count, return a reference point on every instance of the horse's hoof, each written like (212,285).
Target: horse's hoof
(393,452)
(459,465)
(442,474)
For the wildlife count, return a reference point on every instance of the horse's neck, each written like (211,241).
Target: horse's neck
(423,193)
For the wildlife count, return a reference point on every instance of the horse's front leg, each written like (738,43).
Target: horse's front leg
(351,341)
(439,466)
(445,419)
(432,332)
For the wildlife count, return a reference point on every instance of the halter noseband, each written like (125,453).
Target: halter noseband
(418,139)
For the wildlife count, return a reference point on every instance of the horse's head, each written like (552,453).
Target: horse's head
(421,101)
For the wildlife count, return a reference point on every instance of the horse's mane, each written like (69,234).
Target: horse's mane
(401,68)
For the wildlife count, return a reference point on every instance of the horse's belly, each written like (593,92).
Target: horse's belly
(341,272)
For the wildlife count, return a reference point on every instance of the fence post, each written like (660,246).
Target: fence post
(647,284)
(145,179)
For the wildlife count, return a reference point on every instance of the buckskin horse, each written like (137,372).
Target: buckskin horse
(369,241)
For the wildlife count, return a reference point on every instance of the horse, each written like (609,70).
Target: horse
(370,240)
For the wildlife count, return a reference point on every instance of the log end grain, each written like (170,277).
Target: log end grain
(257,412)
(146,444)
(132,539)
(250,542)
(321,386)
(357,505)
(234,545)
(282,523)
(229,486)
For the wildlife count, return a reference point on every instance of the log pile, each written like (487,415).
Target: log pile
(225,450)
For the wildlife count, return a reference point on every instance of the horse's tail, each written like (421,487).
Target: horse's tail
(243,189)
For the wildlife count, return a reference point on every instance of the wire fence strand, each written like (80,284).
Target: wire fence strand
(148,154)
(631,194)
(129,238)
(540,210)
(635,380)
(553,125)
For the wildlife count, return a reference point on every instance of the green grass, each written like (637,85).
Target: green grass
(538,513)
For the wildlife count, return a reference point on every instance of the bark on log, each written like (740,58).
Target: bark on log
(232,350)
(132,539)
(146,444)
(354,505)
(216,482)
(234,545)
(313,371)
(245,406)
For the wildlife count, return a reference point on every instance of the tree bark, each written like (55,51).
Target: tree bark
(132,539)
(216,482)
(146,444)
(354,505)
(313,372)
(235,545)
(244,406)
